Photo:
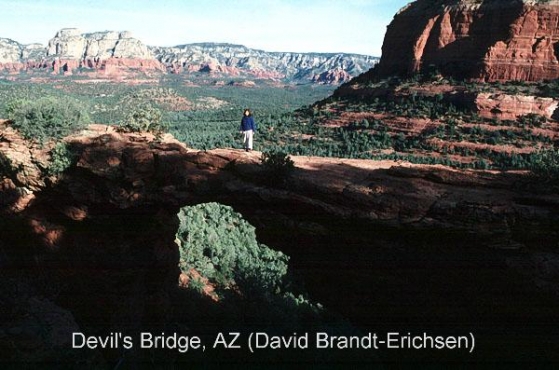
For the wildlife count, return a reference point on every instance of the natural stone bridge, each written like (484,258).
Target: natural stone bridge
(355,229)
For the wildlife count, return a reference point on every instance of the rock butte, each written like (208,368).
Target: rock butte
(487,40)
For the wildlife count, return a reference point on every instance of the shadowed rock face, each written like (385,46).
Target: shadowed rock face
(392,232)
(131,171)
(486,40)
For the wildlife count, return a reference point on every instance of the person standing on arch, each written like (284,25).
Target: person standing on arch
(248,127)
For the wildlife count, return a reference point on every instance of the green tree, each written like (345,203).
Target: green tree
(278,165)
(143,119)
(222,246)
(545,166)
(62,157)
(46,118)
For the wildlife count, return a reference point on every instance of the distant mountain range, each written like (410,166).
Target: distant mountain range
(70,49)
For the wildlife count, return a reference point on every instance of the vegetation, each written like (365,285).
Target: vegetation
(252,281)
(545,166)
(143,119)
(278,166)
(197,284)
(204,113)
(254,291)
(532,120)
(62,157)
(46,118)
(222,246)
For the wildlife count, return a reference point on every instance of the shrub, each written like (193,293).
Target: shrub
(532,120)
(222,246)
(545,165)
(46,118)
(278,165)
(143,119)
(197,284)
(62,157)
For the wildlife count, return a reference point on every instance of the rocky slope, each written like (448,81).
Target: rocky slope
(486,40)
(503,113)
(72,50)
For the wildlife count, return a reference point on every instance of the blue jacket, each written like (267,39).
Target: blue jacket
(247,123)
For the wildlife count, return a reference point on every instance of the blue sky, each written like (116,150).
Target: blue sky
(351,26)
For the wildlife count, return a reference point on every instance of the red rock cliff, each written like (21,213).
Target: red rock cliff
(488,40)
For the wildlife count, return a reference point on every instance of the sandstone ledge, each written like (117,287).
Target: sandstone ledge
(134,172)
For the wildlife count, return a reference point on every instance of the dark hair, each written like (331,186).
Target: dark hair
(247,110)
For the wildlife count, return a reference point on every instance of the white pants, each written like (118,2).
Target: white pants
(247,139)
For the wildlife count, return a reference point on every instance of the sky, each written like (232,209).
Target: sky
(333,26)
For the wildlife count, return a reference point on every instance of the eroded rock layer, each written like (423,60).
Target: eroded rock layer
(486,40)
(110,52)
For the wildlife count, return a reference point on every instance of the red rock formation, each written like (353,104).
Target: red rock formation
(272,75)
(337,76)
(486,40)
(131,170)
(510,107)
(175,68)
(108,66)
(143,65)
(109,227)
(214,67)
(27,66)
(90,50)
(242,83)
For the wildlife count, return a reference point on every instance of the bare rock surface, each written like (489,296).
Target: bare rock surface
(115,52)
(128,171)
(486,40)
